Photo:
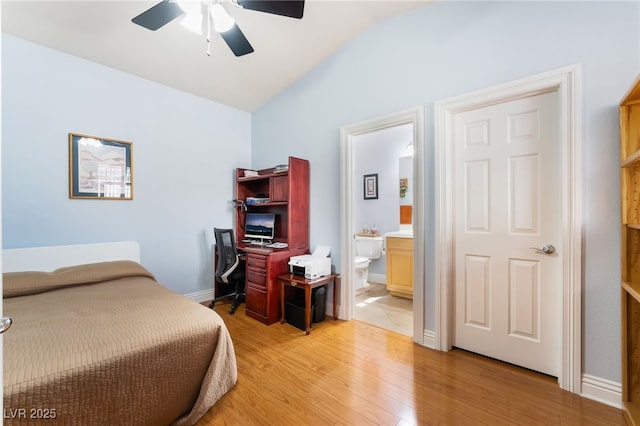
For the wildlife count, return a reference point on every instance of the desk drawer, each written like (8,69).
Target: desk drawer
(256,299)
(256,277)
(257,261)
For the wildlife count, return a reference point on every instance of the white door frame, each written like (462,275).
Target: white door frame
(413,116)
(565,82)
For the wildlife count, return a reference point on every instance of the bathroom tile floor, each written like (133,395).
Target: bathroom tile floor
(377,307)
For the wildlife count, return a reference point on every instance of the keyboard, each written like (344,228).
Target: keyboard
(277,245)
(254,242)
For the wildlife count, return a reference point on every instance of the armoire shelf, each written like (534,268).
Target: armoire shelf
(633,289)
(630,251)
(631,160)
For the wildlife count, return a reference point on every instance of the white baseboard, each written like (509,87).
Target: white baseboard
(200,296)
(602,390)
(429,339)
(377,278)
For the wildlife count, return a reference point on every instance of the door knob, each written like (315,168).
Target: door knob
(545,249)
(5,323)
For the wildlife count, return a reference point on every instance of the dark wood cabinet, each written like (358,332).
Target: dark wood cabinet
(264,265)
(286,194)
(279,190)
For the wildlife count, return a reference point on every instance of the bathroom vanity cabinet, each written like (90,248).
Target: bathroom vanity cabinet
(400,266)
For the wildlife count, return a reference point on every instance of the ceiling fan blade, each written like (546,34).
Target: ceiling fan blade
(289,8)
(236,41)
(159,15)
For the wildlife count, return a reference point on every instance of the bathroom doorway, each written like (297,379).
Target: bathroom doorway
(382,180)
(386,154)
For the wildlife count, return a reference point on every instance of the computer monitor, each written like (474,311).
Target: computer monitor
(259,226)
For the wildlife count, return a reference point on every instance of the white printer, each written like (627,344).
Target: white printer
(315,265)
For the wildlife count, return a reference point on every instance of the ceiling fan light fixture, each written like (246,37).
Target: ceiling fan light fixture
(222,21)
(192,19)
(212,12)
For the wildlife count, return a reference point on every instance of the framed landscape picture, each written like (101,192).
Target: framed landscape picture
(100,168)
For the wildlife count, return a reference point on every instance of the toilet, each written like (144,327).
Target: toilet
(367,248)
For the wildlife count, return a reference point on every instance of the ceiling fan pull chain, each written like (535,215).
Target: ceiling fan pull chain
(208,28)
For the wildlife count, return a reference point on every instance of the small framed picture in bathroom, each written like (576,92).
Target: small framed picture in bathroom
(371,187)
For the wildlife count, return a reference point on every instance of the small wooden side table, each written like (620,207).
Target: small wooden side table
(299,281)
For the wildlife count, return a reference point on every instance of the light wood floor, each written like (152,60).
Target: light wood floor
(351,373)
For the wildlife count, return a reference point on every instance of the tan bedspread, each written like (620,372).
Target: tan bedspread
(105,344)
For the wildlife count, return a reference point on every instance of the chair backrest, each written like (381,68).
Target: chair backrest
(228,259)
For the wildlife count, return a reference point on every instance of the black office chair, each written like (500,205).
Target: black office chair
(230,270)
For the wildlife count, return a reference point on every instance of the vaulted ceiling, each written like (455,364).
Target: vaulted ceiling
(285,48)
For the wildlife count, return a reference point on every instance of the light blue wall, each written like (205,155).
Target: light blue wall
(451,48)
(185,150)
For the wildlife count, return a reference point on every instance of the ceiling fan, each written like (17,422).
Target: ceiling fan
(214,13)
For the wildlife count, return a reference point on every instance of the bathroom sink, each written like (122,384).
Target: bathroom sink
(401,234)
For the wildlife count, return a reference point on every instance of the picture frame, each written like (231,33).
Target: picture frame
(371,186)
(100,168)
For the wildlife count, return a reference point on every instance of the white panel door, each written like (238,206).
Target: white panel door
(507,202)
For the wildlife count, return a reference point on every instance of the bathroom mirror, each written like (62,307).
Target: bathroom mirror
(406,192)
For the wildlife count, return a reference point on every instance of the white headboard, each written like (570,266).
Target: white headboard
(54,257)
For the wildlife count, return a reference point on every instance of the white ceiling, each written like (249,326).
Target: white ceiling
(285,48)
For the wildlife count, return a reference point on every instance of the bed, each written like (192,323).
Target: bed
(97,340)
